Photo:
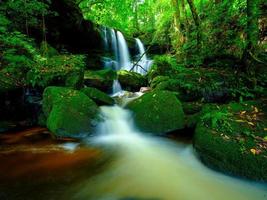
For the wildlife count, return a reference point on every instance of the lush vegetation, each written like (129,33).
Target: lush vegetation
(192,30)
(208,80)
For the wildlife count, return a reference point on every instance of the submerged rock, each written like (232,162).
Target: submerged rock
(131,81)
(101,79)
(98,96)
(69,112)
(158,112)
(232,138)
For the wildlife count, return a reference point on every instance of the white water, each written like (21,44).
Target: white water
(114,47)
(116,88)
(124,55)
(156,168)
(144,62)
(121,55)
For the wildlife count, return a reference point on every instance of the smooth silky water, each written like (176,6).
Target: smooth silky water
(147,167)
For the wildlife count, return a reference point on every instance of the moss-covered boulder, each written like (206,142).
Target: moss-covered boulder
(101,79)
(131,81)
(158,112)
(233,138)
(98,96)
(69,112)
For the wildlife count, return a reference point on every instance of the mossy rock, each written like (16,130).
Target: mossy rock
(131,81)
(232,138)
(158,112)
(69,112)
(98,96)
(101,79)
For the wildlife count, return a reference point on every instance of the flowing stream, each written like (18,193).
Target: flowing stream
(151,168)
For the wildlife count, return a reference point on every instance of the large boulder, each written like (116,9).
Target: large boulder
(131,81)
(98,96)
(232,138)
(69,113)
(158,112)
(101,79)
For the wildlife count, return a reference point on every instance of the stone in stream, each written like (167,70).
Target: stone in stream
(98,96)
(158,112)
(69,112)
(232,138)
(131,81)
(101,79)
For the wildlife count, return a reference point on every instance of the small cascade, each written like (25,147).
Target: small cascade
(116,87)
(147,167)
(144,63)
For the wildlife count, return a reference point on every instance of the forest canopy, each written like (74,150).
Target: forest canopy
(201,26)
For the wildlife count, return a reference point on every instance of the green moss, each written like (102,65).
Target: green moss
(158,112)
(230,138)
(131,81)
(101,79)
(69,112)
(98,96)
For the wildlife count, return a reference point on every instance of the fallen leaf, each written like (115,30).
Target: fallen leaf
(250,123)
(253,151)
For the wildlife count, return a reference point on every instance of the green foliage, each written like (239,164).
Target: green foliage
(63,70)
(25,14)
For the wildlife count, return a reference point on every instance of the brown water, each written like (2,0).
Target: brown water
(119,164)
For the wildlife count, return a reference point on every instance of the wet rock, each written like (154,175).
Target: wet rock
(101,79)
(158,112)
(98,96)
(145,89)
(131,81)
(232,138)
(70,113)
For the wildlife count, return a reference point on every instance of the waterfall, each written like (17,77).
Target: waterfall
(121,55)
(141,49)
(144,64)
(124,55)
(105,38)
(115,42)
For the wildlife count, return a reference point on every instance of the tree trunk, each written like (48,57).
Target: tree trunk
(196,18)
(252,31)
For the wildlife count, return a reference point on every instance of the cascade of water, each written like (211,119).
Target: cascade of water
(116,87)
(114,44)
(124,55)
(144,64)
(141,49)
(155,168)
(105,38)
